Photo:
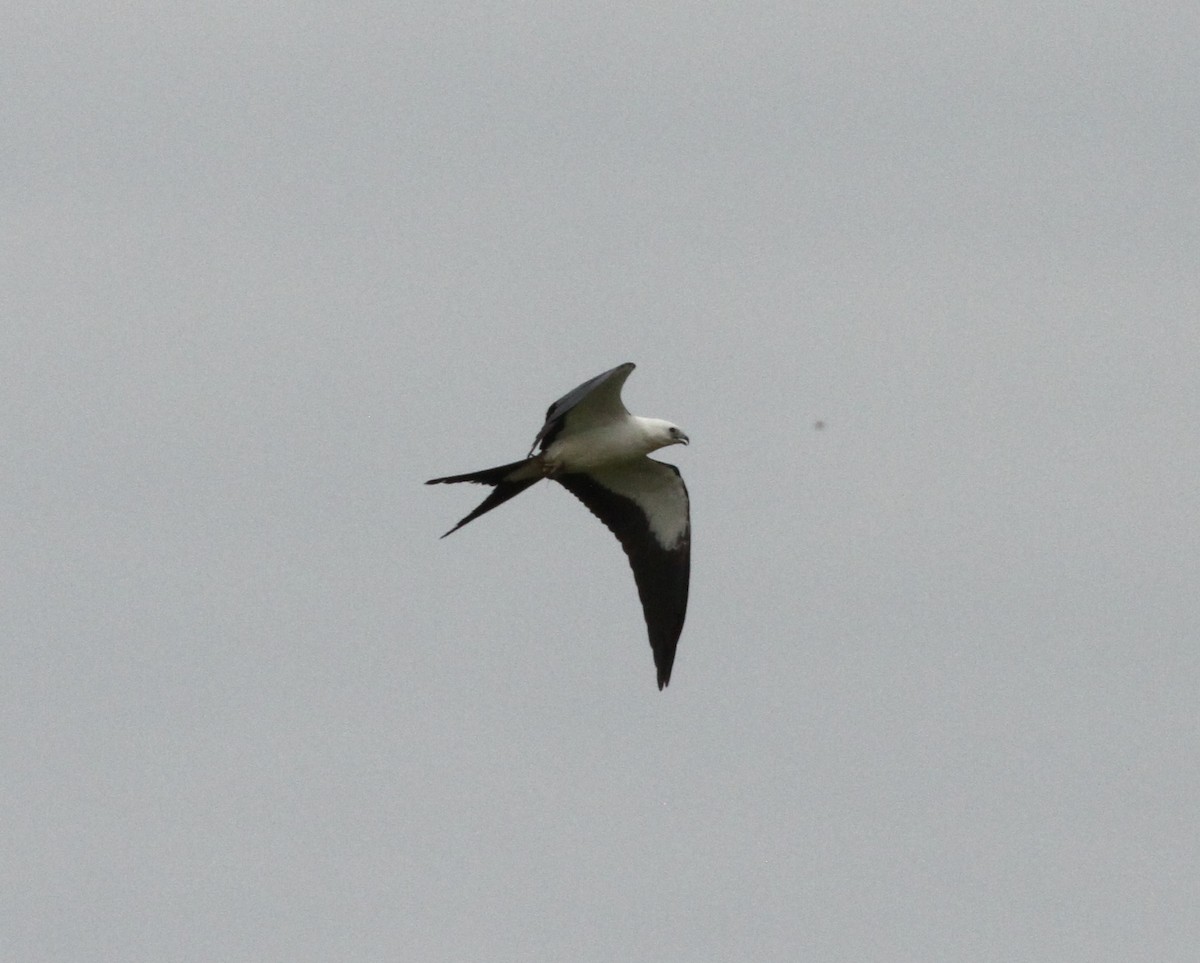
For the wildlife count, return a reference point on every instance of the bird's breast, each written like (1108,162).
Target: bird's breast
(597,447)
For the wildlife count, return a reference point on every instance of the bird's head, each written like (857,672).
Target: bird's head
(663,433)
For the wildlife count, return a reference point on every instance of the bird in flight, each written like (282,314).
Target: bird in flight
(593,447)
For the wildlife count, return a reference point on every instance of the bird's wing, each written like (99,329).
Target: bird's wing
(645,504)
(595,402)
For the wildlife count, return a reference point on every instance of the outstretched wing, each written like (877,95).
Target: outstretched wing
(645,504)
(593,403)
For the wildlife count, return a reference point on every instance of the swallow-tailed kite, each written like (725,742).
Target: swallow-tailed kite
(597,451)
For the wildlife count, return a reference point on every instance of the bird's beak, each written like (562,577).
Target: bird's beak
(683,439)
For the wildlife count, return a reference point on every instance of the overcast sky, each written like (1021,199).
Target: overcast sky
(267,267)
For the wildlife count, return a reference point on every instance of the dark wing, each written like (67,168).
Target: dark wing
(592,403)
(645,504)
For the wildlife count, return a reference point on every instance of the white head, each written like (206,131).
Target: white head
(661,433)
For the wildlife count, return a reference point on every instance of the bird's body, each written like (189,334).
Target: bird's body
(607,444)
(597,450)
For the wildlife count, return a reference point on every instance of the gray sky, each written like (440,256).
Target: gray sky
(267,268)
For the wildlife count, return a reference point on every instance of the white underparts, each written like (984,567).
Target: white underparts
(609,444)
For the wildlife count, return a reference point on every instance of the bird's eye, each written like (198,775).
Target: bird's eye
(674,432)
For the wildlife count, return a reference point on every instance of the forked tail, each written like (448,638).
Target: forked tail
(507,481)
